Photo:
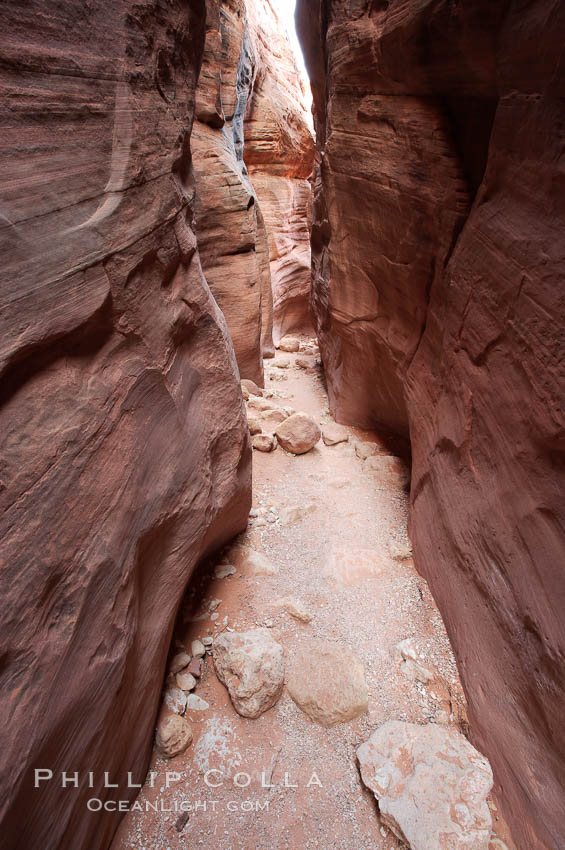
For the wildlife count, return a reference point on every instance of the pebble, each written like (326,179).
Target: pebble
(179,662)
(197,649)
(196,703)
(224,570)
(185,681)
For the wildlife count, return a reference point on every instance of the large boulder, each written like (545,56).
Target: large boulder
(431,785)
(299,433)
(327,682)
(251,666)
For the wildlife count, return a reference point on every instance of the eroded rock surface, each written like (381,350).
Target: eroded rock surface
(431,785)
(231,231)
(279,153)
(438,258)
(298,433)
(125,452)
(327,681)
(173,735)
(251,666)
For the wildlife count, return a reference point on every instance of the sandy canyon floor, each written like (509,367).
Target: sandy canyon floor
(335,529)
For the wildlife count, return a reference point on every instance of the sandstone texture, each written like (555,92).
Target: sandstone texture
(231,231)
(279,153)
(173,735)
(251,666)
(333,434)
(431,785)
(257,564)
(298,433)
(328,683)
(264,442)
(253,152)
(438,258)
(125,451)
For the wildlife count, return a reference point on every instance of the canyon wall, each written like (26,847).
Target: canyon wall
(125,450)
(253,154)
(279,154)
(438,260)
(231,230)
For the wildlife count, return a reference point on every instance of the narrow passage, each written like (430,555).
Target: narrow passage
(336,570)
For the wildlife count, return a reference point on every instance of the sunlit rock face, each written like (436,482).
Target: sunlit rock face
(279,153)
(438,261)
(253,155)
(125,452)
(231,230)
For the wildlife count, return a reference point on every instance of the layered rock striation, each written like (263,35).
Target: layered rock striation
(253,155)
(125,451)
(437,257)
(231,230)
(279,154)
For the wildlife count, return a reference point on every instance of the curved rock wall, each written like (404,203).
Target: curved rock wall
(125,450)
(437,264)
(279,153)
(231,231)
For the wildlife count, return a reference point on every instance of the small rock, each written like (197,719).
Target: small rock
(224,570)
(185,681)
(406,649)
(294,607)
(294,513)
(196,703)
(254,425)
(283,363)
(299,433)
(289,343)
(175,700)
(365,450)
(416,672)
(327,682)
(245,393)
(173,735)
(260,404)
(431,785)
(274,416)
(251,387)
(400,551)
(207,641)
(304,362)
(213,605)
(251,666)
(333,434)
(289,411)
(179,662)
(194,667)
(214,616)
(257,564)
(264,442)
(197,648)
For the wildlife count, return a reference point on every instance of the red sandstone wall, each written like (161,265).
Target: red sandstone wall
(279,153)
(125,450)
(438,263)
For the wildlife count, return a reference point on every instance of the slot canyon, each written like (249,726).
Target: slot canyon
(282,427)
